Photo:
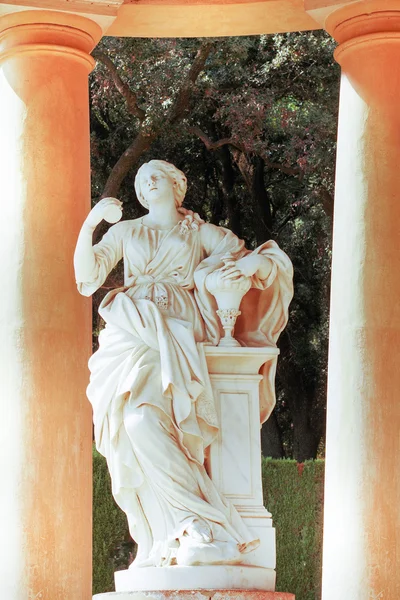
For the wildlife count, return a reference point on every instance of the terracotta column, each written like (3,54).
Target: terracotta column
(45,329)
(362,514)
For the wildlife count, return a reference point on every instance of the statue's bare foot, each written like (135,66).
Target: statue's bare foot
(199,531)
(192,552)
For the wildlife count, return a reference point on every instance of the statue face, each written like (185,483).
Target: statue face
(156,185)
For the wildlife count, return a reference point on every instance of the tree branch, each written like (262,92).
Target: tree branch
(140,144)
(244,165)
(292,171)
(211,146)
(294,212)
(289,217)
(182,100)
(147,135)
(327,201)
(125,91)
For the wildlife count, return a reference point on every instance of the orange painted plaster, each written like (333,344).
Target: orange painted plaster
(47,327)
(362,519)
(207,19)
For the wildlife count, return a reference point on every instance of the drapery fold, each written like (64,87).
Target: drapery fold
(150,355)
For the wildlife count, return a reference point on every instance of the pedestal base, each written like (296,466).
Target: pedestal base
(204,594)
(218,577)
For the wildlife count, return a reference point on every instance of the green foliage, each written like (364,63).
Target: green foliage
(293,493)
(111,542)
(274,99)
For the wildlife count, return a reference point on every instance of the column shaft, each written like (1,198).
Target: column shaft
(362,496)
(45,330)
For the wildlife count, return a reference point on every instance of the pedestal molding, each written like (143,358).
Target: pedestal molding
(248,512)
(203,594)
(234,377)
(196,578)
(246,360)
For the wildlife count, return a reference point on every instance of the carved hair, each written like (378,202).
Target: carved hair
(177,177)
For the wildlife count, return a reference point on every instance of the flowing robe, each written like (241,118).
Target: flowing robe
(154,414)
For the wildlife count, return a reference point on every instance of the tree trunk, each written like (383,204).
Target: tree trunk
(218,202)
(226,184)
(148,134)
(261,202)
(271,439)
(127,160)
(301,400)
(305,438)
(253,175)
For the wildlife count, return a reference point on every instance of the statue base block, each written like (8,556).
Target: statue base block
(204,594)
(218,577)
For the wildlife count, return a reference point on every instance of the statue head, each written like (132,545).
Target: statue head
(175,177)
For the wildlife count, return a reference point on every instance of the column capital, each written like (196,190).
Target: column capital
(48,32)
(365,18)
(101,12)
(368,33)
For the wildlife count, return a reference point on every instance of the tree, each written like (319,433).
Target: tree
(252,122)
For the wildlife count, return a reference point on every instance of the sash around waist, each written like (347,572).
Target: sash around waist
(170,280)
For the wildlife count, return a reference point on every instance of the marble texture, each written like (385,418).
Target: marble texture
(195,578)
(164,393)
(228,294)
(210,594)
(234,461)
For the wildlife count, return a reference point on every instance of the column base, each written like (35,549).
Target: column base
(217,577)
(204,594)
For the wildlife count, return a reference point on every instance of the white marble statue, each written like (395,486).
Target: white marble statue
(154,414)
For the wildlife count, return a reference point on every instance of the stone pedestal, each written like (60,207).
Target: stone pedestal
(195,578)
(205,594)
(235,456)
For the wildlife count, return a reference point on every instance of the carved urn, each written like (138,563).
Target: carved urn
(228,294)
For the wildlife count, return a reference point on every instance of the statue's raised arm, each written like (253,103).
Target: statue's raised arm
(87,260)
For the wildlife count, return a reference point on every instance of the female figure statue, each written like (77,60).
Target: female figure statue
(153,411)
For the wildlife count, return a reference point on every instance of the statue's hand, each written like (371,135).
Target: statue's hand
(109,209)
(254,263)
(244,267)
(249,265)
